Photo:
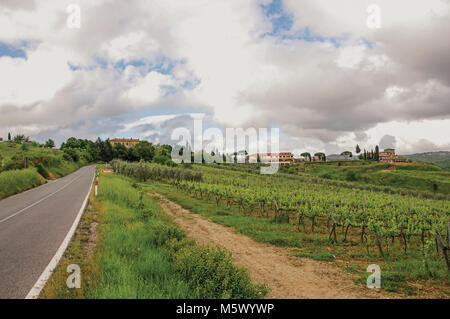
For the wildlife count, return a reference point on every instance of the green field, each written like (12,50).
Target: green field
(421,177)
(440,159)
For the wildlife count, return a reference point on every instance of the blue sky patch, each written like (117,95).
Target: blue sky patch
(371,45)
(281,21)
(13,51)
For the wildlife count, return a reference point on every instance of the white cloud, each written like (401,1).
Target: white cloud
(36,79)
(148,89)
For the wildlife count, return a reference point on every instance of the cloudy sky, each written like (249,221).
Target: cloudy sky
(312,68)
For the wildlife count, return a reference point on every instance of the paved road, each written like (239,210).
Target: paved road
(33,225)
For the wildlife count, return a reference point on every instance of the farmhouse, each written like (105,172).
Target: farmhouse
(388,155)
(283,159)
(127,142)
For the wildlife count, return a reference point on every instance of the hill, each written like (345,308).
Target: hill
(441,159)
(27,165)
(423,176)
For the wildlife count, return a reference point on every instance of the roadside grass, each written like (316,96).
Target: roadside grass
(16,181)
(142,253)
(400,272)
(43,164)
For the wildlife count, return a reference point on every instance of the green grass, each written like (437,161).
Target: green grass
(142,253)
(440,159)
(399,269)
(42,164)
(357,175)
(417,176)
(16,181)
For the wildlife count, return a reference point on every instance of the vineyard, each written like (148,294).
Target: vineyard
(376,222)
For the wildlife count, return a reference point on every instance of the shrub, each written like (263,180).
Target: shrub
(162,232)
(210,270)
(42,170)
(145,171)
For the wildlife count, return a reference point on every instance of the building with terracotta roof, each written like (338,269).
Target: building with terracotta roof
(388,155)
(127,142)
(283,159)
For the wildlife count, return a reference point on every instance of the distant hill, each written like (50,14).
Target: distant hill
(440,159)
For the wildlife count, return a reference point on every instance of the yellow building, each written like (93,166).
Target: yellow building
(283,159)
(388,155)
(127,142)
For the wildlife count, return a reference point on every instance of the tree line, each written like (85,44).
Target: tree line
(102,151)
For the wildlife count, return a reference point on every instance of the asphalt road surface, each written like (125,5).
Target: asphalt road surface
(33,225)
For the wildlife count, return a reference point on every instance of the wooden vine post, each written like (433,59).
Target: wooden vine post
(364,225)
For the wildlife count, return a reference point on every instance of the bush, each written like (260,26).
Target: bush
(210,270)
(162,232)
(42,170)
(145,171)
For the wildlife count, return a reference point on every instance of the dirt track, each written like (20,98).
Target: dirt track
(285,275)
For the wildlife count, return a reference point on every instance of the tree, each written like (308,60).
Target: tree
(377,153)
(19,139)
(358,150)
(49,144)
(347,153)
(321,156)
(306,155)
(145,151)
(9,136)
(120,151)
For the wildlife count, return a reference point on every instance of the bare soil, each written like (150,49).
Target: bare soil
(285,275)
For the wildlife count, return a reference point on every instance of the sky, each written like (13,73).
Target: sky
(312,68)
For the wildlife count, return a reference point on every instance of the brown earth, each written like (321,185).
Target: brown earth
(285,275)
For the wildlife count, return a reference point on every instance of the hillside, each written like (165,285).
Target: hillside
(42,164)
(423,177)
(441,159)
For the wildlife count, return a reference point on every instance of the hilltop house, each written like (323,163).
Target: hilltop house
(127,142)
(388,155)
(283,159)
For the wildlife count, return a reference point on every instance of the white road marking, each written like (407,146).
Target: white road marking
(34,204)
(48,271)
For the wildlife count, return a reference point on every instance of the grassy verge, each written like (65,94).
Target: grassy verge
(141,253)
(16,181)
(407,273)
(43,164)
(19,180)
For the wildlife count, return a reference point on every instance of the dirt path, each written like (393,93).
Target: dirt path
(285,275)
